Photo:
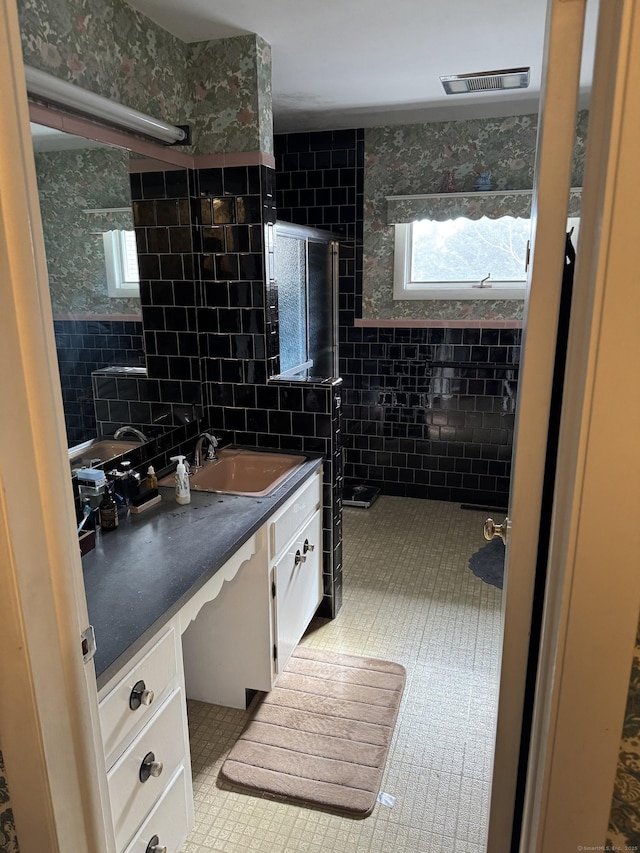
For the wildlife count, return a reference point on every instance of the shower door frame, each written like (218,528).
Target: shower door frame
(316,235)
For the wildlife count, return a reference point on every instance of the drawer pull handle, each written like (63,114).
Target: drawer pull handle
(308,546)
(154,846)
(150,767)
(140,696)
(300,558)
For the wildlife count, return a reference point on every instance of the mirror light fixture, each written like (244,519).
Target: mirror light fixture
(486,81)
(53,90)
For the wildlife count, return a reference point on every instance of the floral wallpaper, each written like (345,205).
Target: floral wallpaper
(231,107)
(265,94)
(221,88)
(430,158)
(474,205)
(107,47)
(624,820)
(69,183)
(8,838)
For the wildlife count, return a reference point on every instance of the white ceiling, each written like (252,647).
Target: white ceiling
(362,63)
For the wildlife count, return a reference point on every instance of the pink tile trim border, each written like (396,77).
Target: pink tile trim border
(439,324)
(156,157)
(207,161)
(241,158)
(69,315)
(148,164)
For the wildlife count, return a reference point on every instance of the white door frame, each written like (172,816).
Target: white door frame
(554,159)
(593,594)
(49,730)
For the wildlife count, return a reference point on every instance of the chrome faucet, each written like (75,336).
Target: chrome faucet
(211,453)
(129,430)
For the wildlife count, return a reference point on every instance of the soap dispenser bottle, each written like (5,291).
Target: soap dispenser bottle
(183,490)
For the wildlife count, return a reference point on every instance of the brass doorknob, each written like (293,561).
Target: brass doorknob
(492,529)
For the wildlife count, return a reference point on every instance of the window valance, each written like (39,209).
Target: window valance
(474,205)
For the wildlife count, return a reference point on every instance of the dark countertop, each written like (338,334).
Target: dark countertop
(139,576)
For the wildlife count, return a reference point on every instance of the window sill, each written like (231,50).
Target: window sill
(463,292)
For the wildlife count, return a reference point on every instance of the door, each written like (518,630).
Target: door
(589,603)
(50,734)
(593,591)
(530,498)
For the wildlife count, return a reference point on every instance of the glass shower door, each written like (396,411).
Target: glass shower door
(306,276)
(291,274)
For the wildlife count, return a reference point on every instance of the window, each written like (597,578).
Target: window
(293,311)
(461,258)
(123,278)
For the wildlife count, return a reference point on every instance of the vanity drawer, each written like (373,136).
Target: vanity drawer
(120,719)
(170,818)
(131,798)
(289,518)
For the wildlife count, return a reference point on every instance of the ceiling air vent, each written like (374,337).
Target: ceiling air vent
(486,81)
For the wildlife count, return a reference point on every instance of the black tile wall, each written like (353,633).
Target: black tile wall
(294,416)
(319,181)
(150,405)
(84,346)
(426,412)
(163,214)
(237,321)
(209,315)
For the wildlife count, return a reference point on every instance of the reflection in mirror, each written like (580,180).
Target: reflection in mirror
(84,195)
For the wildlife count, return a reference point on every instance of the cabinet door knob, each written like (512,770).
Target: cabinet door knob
(300,558)
(140,695)
(308,546)
(150,767)
(154,846)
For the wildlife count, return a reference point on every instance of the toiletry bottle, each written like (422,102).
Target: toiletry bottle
(133,486)
(108,511)
(118,487)
(183,490)
(130,482)
(152,481)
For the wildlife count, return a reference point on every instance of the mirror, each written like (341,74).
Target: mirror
(84,193)
(87,220)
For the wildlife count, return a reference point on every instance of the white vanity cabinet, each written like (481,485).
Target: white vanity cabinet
(146,744)
(234,634)
(241,640)
(295,560)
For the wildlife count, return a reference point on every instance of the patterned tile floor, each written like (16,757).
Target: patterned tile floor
(410,597)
